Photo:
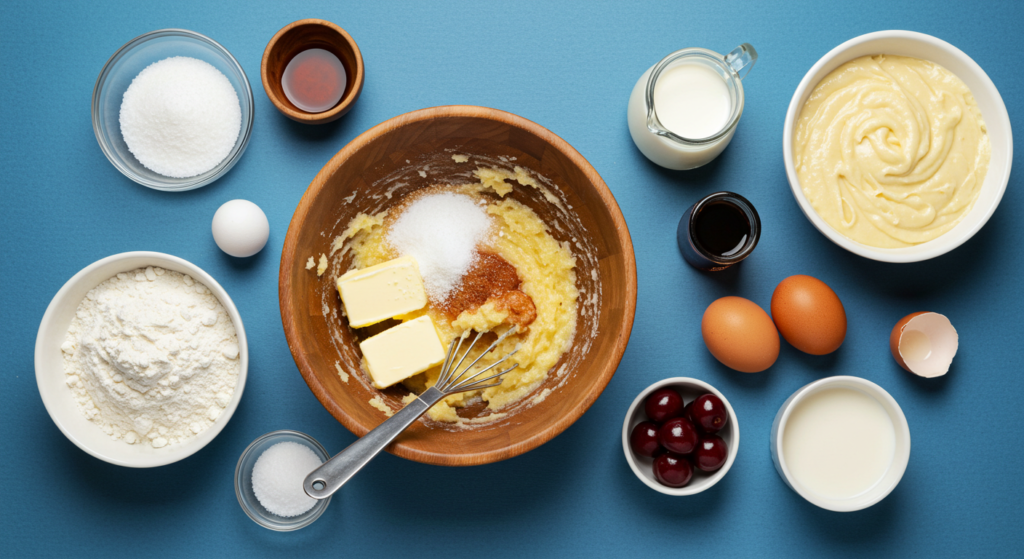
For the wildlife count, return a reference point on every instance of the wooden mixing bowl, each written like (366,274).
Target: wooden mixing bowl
(374,172)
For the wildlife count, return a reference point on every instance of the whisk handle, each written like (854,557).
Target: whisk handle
(328,478)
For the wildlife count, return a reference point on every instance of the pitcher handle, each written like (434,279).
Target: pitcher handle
(742,59)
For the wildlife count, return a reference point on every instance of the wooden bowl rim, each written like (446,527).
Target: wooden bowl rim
(346,102)
(288,262)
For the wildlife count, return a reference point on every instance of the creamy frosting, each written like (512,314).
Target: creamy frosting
(891,151)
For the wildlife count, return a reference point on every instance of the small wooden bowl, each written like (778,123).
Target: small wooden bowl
(300,36)
(374,172)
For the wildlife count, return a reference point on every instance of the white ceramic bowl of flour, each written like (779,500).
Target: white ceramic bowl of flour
(58,397)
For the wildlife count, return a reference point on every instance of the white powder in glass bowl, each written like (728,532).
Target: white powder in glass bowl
(278,475)
(180,117)
(151,357)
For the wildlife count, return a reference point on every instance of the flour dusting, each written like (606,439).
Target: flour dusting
(151,357)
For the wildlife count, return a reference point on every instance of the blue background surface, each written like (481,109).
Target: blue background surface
(570,68)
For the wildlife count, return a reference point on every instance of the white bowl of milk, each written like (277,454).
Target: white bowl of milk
(841,442)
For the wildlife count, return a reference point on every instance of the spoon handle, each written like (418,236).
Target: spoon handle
(328,478)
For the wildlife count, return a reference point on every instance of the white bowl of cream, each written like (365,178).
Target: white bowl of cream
(841,442)
(993,114)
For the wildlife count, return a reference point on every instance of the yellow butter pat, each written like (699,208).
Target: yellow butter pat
(380,292)
(403,351)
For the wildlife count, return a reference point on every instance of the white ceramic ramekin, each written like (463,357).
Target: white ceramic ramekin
(58,398)
(900,457)
(993,111)
(642,466)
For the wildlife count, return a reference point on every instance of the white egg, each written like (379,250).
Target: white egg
(240,228)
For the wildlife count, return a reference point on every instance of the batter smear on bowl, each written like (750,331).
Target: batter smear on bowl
(488,263)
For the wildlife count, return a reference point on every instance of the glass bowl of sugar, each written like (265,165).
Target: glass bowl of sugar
(268,480)
(188,114)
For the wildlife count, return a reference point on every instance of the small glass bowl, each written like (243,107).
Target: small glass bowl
(243,482)
(118,74)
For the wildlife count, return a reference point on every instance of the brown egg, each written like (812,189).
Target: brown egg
(740,334)
(809,315)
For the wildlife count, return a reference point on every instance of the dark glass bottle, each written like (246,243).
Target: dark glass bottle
(718,231)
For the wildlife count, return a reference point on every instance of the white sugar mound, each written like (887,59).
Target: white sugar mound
(277,478)
(441,231)
(180,117)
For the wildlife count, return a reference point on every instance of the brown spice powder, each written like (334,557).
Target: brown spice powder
(492,277)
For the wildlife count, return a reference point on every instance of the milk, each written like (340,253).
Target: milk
(838,443)
(692,100)
(697,100)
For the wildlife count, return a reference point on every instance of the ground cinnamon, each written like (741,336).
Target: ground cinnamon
(492,278)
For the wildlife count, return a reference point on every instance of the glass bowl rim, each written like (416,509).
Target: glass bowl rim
(320,506)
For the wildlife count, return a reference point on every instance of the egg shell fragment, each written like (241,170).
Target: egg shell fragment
(740,334)
(809,315)
(924,343)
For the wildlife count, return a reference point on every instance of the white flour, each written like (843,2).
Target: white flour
(151,357)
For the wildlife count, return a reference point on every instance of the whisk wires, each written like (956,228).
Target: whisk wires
(451,383)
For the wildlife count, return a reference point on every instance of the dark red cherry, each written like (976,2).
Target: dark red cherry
(644,439)
(672,470)
(663,404)
(678,435)
(710,453)
(688,412)
(709,413)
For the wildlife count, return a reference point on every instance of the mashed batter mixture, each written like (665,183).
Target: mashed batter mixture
(891,151)
(523,276)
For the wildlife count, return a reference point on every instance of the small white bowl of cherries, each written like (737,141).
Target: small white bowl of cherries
(680,436)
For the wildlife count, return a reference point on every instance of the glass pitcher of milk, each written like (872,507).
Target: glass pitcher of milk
(683,111)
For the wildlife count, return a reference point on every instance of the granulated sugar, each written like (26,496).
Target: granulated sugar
(180,117)
(441,231)
(277,478)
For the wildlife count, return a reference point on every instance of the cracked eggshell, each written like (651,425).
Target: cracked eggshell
(924,343)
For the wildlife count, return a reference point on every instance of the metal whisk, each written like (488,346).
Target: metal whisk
(328,478)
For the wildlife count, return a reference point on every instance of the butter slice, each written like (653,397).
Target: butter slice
(403,351)
(381,292)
